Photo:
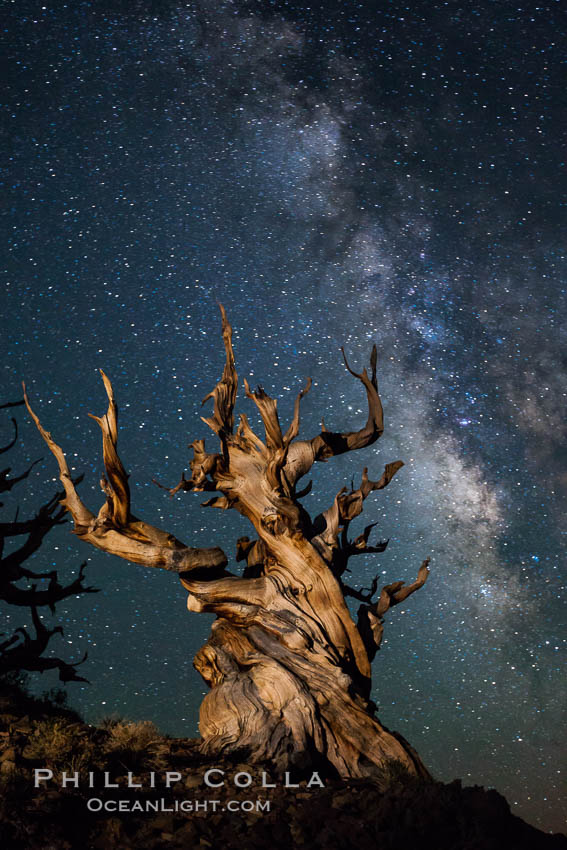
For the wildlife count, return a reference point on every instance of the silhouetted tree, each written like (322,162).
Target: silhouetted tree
(22,587)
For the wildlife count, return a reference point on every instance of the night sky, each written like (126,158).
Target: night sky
(334,174)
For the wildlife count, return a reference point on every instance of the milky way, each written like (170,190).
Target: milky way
(336,175)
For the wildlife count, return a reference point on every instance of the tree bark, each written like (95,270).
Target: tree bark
(288,669)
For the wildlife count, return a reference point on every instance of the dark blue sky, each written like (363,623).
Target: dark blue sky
(336,175)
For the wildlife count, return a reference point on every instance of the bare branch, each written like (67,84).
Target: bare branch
(344,509)
(26,654)
(221,502)
(226,593)
(360,543)
(13,442)
(11,404)
(268,409)
(249,439)
(82,517)
(277,444)
(363,595)
(224,394)
(44,516)
(11,565)
(329,444)
(54,593)
(202,465)
(393,594)
(351,504)
(6,483)
(293,429)
(371,616)
(115,530)
(118,491)
(326,541)
(183,486)
(359,547)
(302,454)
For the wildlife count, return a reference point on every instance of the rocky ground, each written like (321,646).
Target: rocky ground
(37,734)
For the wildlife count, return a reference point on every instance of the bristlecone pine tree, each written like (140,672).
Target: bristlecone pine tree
(20,587)
(289,670)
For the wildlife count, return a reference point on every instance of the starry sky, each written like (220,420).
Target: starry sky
(337,173)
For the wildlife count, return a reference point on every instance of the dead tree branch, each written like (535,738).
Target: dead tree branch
(114,529)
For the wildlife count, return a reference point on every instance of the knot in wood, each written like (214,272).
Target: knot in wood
(270,517)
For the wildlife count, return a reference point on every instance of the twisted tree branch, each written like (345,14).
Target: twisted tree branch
(115,529)
(26,654)
(371,617)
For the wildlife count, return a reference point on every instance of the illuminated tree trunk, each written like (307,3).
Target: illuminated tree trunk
(288,668)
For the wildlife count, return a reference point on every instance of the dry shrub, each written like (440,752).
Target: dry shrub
(52,741)
(136,745)
(61,743)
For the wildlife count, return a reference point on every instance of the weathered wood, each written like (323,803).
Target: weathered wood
(288,669)
(115,529)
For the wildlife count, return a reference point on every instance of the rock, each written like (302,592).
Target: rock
(164,822)
(23,725)
(111,834)
(340,816)
(340,800)
(8,755)
(187,834)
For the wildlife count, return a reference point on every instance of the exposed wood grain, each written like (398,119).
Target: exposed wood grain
(288,669)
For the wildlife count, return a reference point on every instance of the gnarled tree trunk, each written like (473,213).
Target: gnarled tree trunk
(288,668)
